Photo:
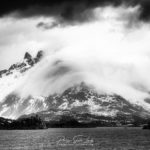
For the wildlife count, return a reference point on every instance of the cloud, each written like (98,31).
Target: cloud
(20,36)
(47,25)
(67,11)
(104,52)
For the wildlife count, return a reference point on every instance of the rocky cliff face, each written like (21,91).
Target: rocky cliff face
(84,99)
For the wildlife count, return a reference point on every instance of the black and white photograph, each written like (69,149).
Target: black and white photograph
(74,74)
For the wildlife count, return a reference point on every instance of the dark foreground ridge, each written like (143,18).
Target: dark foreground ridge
(147,126)
(35,121)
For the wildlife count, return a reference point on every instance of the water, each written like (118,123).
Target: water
(64,139)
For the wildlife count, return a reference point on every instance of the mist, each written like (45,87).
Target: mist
(111,53)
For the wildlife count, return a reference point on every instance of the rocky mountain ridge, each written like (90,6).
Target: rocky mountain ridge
(27,63)
(80,104)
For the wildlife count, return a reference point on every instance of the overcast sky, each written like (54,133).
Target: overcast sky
(23,23)
(103,42)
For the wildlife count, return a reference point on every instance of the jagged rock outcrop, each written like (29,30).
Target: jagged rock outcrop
(39,56)
(29,59)
(27,63)
(2,72)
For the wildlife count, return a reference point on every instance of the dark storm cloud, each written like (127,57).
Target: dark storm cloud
(66,10)
(46,26)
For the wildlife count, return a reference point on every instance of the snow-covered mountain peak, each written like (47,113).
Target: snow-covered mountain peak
(30,60)
(21,67)
(13,76)
(80,98)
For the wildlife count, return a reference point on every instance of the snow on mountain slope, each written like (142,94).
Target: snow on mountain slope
(80,97)
(83,99)
(83,104)
(11,78)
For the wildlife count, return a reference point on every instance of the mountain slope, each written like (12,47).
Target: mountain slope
(84,104)
(81,101)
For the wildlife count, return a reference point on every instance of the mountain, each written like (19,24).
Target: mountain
(10,79)
(27,63)
(80,104)
(83,106)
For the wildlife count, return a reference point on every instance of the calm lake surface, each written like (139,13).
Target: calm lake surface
(76,139)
